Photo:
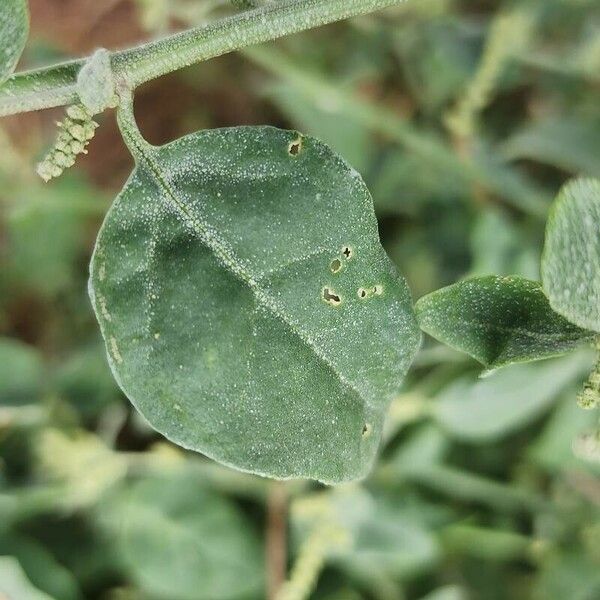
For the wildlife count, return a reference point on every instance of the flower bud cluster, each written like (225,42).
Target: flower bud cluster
(589,397)
(76,131)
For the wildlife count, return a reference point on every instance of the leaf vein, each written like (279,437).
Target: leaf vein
(226,256)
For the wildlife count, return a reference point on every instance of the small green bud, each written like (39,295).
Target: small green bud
(77,147)
(78,112)
(89,130)
(48,170)
(78,132)
(588,398)
(60,159)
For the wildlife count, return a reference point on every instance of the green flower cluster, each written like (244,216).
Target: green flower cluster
(589,397)
(76,131)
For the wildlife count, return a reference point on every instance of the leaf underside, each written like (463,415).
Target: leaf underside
(571,258)
(14,29)
(498,321)
(248,308)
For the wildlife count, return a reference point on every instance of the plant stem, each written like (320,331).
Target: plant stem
(325,537)
(56,86)
(139,148)
(276,538)
(248,28)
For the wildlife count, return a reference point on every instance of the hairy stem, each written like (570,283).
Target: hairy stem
(135,142)
(56,86)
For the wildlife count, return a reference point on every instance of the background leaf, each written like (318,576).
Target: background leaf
(14,28)
(41,568)
(21,373)
(500,248)
(490,408)
(180,541)
(498,321)
(14,583)
(374,540)
(571,259)
(569,143)
(552,449)
(248,308)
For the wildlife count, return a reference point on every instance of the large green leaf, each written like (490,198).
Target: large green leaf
(179,541)
(249,310)
(498,321)
(571,258)
(14,29)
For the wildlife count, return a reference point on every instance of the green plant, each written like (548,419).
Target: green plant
(248,308)
(463,119)
(505,320)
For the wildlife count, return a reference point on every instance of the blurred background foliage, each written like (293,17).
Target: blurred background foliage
(464,118)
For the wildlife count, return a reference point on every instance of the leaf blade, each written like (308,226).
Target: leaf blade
(498,321)
(213,551)
(14,29)
(571,257)
(283,328)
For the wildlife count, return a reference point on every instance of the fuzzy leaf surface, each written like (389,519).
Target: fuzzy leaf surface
(571,258)
(228,280)
(14,29)
(498,321)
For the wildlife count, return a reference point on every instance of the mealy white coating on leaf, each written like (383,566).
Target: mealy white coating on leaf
(571,258)
(212,265)
(14,28)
